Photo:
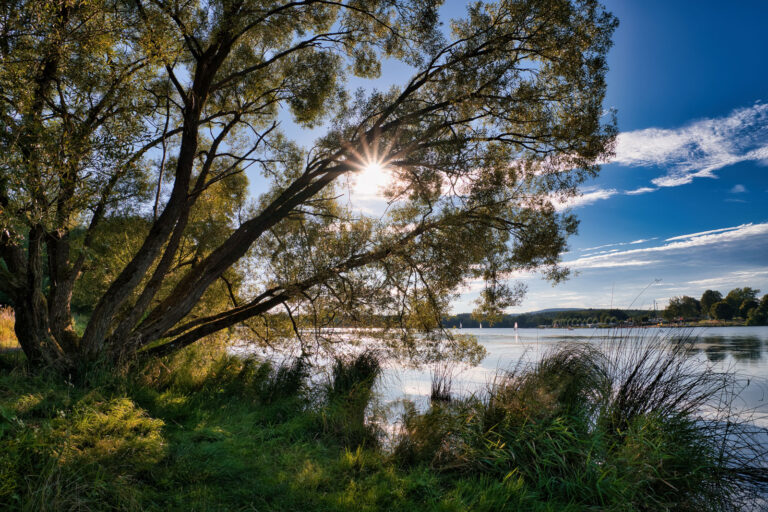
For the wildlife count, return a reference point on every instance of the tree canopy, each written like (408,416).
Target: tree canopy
(722,310)
(708,298)
(738,296)
(128,126)
(682,307)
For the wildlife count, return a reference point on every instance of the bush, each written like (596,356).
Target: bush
(8,339)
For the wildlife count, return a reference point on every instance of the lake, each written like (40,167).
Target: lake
(743,350)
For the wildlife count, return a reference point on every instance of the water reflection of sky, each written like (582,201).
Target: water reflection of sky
(743,350)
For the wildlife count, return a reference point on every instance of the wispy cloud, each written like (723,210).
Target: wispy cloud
(740,276)
(687,264)
(602,246)
(711,231)
(607,262)
(617,244)
(587,196)
(738,189)
(634,257)
(699,149)
(641,190)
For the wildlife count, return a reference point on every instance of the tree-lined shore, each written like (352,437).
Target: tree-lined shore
(739,307)
(740,304)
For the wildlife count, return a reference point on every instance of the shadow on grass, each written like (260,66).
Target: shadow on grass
(629,427)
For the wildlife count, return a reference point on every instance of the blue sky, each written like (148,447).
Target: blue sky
(688,80)
(685,201)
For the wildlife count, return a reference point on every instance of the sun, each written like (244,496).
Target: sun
(369,161)
(373,168)
(372,178)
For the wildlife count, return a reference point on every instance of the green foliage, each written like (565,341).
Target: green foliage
(739,296)
(682,307)
(549,318)
(708,298)
(200,433)
(349,393)
(722,310)
(64,450)
(747,306)
(129,127)
(758,313)
(616,430)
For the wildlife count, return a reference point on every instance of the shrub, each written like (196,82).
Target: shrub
(722,310)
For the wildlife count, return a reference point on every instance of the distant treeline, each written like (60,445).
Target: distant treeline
(564,318)
(740,303)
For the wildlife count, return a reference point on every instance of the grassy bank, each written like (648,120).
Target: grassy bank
(580,431)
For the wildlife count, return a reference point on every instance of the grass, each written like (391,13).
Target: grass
(7,335)
(639,426)
(441,382)
(582,430)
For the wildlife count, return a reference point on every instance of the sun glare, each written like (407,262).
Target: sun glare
(372,178)
(373,168)
(370,164)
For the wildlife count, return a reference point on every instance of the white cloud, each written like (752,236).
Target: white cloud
(687,264)
(600,247)
(641,190)
(693,235)
(740,276)
(603,262)
(699,149)
(634,257)
(616,244)
(587,196)
(738,189)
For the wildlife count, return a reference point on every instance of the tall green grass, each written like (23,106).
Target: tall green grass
(629,427)
(636,426)
(348,396)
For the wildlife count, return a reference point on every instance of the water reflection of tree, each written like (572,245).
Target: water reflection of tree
(741,348)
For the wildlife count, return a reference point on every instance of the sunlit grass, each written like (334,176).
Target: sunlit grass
(7,335)
(204,430)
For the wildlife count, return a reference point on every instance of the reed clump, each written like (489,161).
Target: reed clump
(441,384)
(631,426)
(349,393)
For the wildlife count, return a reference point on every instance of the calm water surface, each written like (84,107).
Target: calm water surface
(743,350)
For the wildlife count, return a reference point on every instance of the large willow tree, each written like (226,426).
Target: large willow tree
(127,127)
